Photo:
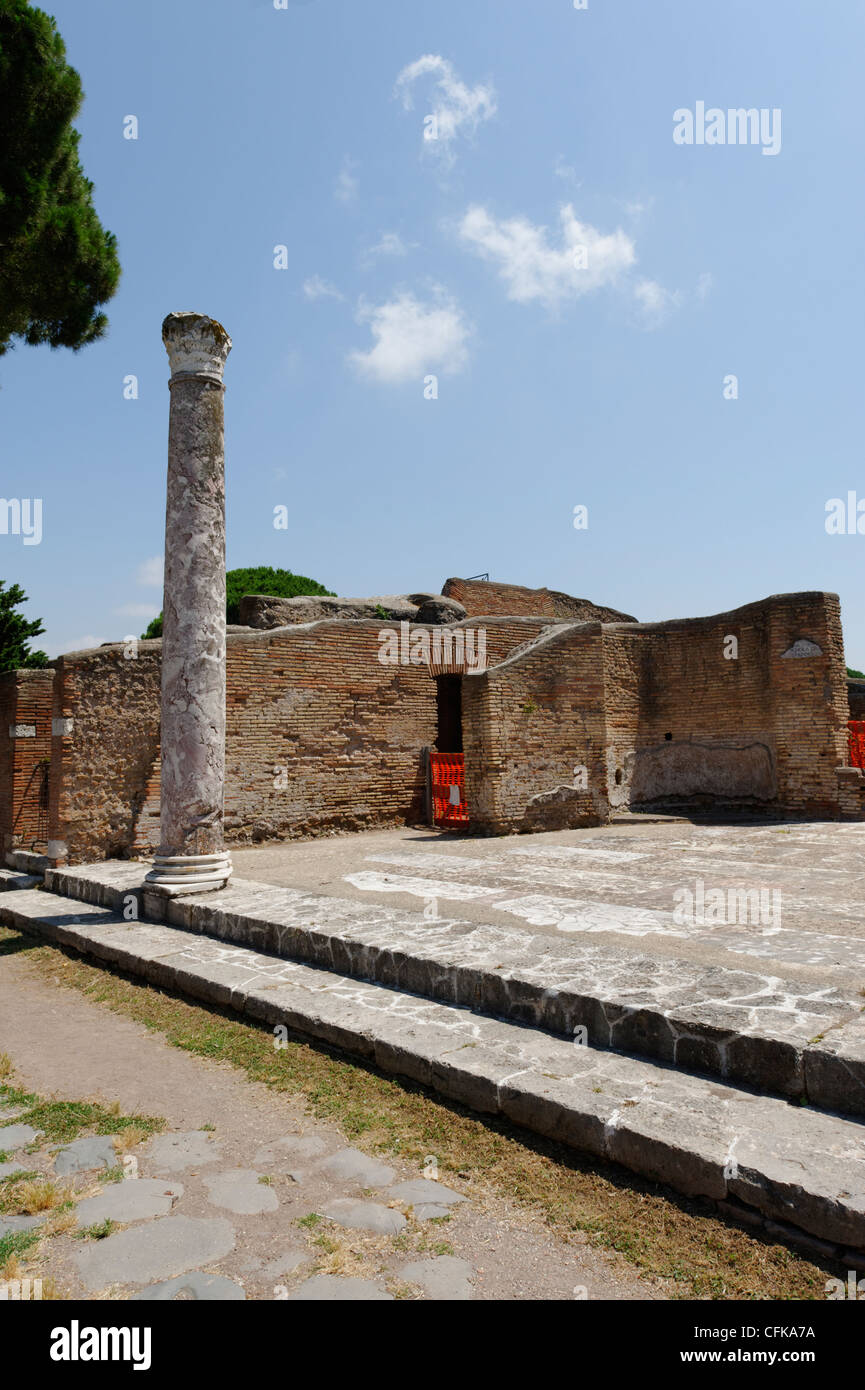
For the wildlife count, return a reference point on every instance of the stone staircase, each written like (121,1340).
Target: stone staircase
(723,1084)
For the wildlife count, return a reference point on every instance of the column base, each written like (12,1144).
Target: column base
(189,873)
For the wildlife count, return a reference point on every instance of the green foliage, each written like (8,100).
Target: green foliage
(259,580)
(856,675)
(58,264)
(16,631)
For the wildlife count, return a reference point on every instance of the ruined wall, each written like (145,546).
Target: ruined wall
(528,723)
(810,700)
(664,718)
(25,744)
(320,737)
(766,726)
(104,751)
(481,598)
(685,722)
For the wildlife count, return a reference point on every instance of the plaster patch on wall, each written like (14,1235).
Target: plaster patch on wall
(803,647)
(703,769)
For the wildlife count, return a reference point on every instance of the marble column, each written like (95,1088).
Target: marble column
(191,856)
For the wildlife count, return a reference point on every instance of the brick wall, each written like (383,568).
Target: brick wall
(527,725)
(320,736)
(323,737)
(25,744)
(481,598)
(662,717)
(102,761)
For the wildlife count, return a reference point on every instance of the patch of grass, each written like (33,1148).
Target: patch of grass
(132,1134)
(115,1174)
(14,1244)
(7,1187)
(98,1231)
(39,1194)
(64,1120)
(265,1180)
(662,1233)
(5,1065)
(399,1290)
(327,1244)
(310,1221)
(61,1221)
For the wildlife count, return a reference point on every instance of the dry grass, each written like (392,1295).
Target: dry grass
(40,1194)
(59,1223)
(129,1138)
(662,1234)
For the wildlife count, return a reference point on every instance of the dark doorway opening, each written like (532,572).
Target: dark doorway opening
(449,704)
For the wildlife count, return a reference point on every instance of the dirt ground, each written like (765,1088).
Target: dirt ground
(65,1046)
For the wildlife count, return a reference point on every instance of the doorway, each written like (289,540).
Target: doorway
(449,707)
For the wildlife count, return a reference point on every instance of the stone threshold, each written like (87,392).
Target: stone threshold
(797,1173)
(776,1035)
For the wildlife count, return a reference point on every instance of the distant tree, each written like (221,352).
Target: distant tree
(16,631)
(856,675)
(57,262)
(261,580)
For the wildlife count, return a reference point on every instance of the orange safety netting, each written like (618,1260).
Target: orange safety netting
(447,778)
(856,742)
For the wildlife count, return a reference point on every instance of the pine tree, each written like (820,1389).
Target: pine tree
(16,631)
(57,263)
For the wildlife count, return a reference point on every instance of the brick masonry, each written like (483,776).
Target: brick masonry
(322,737)
(481,599)
(25,746)
(659,716)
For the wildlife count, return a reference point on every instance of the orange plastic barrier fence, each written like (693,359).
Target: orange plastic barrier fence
(856,742)
(447,779)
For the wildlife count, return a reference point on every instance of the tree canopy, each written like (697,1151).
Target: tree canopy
(57,262)
(259,580)
(16,631)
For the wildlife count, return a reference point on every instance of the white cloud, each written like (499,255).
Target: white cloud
(391,244)
(317,288)
(566,172)
(455,106)
(655,304)
(412,337)
(346,185)
(150,573)
(534,269)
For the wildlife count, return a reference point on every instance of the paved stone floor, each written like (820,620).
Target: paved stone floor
(672,889)
(243,1196)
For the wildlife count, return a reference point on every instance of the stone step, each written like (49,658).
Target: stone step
(797,1170)
(10,880)
(780,1035)
(27,861)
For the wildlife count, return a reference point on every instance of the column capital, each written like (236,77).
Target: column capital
(196,346)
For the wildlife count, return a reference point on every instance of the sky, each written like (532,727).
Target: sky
(476,277)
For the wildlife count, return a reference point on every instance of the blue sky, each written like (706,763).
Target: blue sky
(559,385)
